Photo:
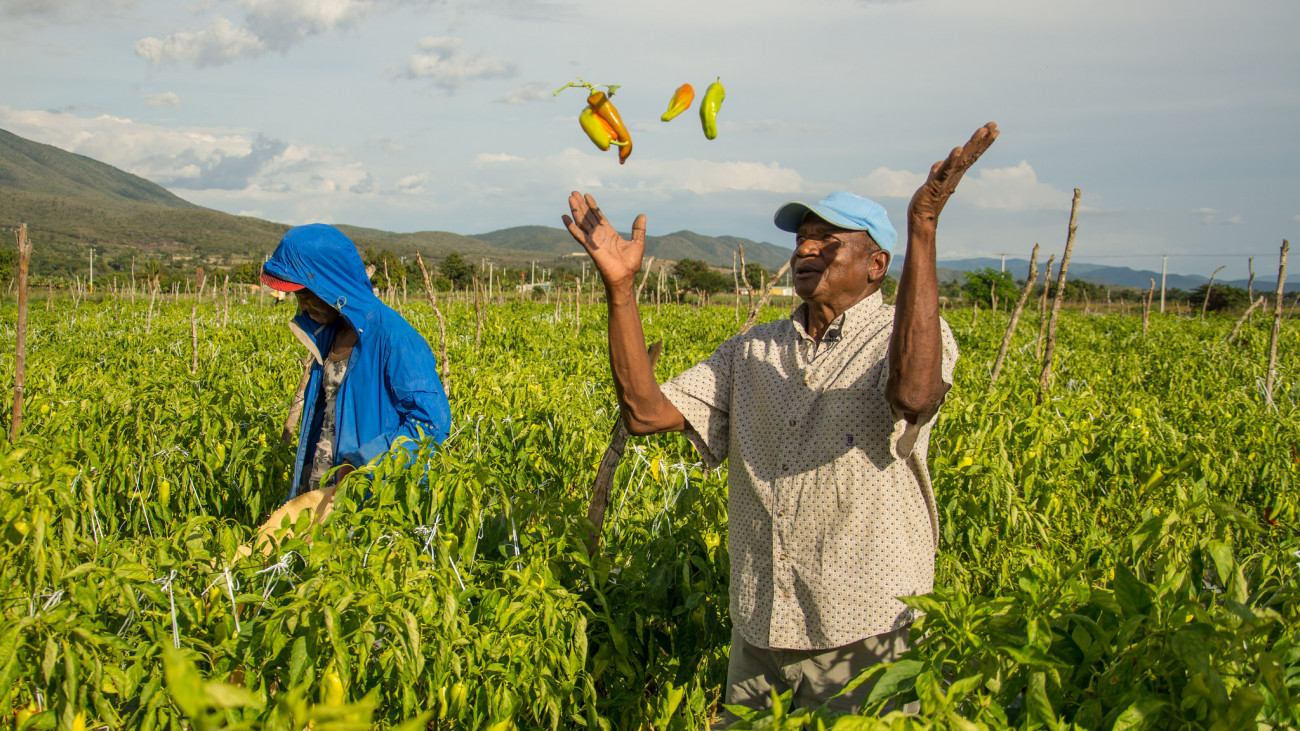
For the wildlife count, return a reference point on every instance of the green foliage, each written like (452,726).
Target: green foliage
(981,285)
(1117,557)
(1222,297)
(457,271)
(698,276)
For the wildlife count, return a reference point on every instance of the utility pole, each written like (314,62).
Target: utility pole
(1004,262)
(1164,267)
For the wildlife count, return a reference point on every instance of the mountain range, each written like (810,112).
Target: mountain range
(71,203)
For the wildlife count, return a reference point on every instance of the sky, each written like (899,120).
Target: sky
(1177,120)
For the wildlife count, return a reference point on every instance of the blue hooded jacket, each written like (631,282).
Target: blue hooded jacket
(391,388)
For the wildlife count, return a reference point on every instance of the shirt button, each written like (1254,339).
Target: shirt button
(785,468)
(780,513)
(793,422)
(783,557)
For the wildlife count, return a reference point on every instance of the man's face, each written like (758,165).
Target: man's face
(316,308)
(830,263)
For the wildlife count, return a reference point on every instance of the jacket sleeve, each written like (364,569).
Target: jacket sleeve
(411,375)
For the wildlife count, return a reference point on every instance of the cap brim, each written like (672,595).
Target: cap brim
(280,284)
(789,216)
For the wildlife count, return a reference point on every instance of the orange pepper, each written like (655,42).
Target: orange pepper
(605,109)
(680,102)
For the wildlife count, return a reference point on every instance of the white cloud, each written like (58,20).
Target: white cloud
(411,184)
(885,183)
(195,161)
(384,144)
(527,94)
(498,157)
(1211,216)
(574,169)
(1003,189)
(63,11)
(219,43)
(443,61)
(267,25)
(165,100)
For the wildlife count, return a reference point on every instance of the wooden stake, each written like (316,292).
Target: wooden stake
(478,313)
(649,267)
(1277,326)
(1208,288)
(194,338)
(20,338)
(442,326)
(1232,336)
(1146,307)
(1050,349)
(1015,316)
(1042,309)
(762,302)
(609,465)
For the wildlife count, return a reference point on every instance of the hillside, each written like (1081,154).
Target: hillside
(72,203)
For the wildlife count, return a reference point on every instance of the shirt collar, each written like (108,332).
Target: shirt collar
(848,321)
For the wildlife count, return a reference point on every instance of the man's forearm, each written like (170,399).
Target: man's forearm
(915,384)
(646,408)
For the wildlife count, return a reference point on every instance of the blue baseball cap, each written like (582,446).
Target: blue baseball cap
(845,210)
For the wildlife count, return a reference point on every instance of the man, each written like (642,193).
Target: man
(374,378)
(825,418)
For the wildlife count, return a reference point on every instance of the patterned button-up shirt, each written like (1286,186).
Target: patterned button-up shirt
(831,509)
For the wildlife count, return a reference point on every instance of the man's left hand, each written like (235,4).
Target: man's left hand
(929,200)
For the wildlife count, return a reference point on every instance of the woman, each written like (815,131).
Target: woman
(374,379)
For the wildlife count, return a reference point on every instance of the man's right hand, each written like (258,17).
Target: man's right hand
(617,259)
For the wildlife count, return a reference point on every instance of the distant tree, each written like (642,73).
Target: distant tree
(8,264)
(889,288)
(697,275)
(458,271)
(378,259)
(757,275)
(981,284)
(245,273)
(1222,297)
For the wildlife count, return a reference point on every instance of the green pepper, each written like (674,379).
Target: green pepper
(709,107)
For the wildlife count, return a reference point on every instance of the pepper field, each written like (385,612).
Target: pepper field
(1122,556)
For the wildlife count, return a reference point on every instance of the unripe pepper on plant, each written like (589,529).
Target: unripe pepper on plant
(680,102)
(709,107)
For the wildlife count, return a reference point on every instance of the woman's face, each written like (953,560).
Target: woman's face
(315,307)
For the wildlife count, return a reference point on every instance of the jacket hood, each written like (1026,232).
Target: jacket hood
(325,262)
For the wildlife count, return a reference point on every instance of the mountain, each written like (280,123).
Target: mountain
(72,203)
(715,250)
(1102,274)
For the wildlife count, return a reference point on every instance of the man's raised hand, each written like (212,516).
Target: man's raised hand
(617,259)
(929,200)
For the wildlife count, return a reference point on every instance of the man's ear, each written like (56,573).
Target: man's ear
(880,264)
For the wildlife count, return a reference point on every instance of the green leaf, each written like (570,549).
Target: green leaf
(1141,714)
(297,660)
(901,675)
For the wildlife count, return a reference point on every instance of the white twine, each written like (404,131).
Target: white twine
(430,534)
(166,582)
(279,570)
(365,560)
(52,600)
(234,610)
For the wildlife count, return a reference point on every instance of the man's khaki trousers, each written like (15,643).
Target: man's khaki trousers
(814,675)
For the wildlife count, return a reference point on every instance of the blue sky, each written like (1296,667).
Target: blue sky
(1176,119)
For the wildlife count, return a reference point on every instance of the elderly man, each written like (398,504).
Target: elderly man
(825,417)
